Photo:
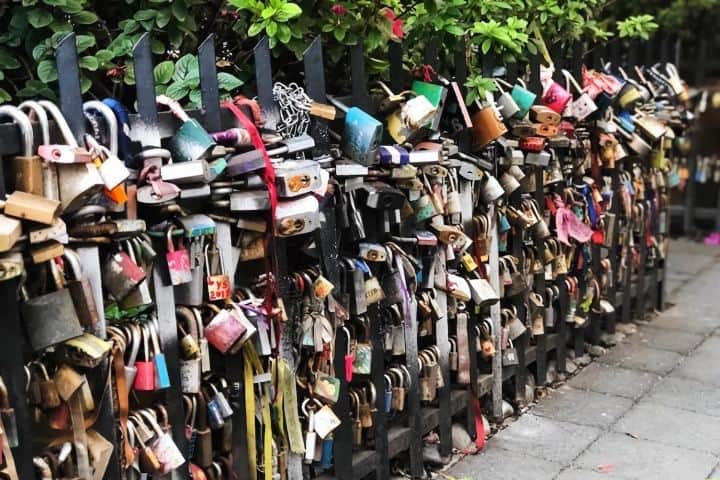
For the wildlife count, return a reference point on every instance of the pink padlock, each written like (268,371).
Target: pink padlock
(145,370)
(225,329)
(556,97)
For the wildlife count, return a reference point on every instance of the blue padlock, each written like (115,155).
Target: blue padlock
(327,453)
(362,134)
(388,393)
(162,377)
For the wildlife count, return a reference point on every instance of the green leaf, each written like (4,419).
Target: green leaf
(85,84)
(267,12)
(163,72)
(284,33)
(85,18)
(72,6)
(129,77)
(179,10)
(271,29)
(104,56)
(163,18)
(228,82)
(47,71)
(148,14)
(195,98)
(157,47)
(7,60)
(187,64)
(89,63)
(176,91)
(487,43)
(339,34)
(129,25)
(455,30)
(39,18)
(4,96)
(288,11)
(83,42)
(255,28)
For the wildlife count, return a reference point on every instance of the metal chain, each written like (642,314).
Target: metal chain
(294,106)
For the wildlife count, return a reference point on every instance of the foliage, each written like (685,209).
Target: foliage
(107,31)
(637,26)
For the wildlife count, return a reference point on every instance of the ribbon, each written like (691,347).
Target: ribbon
(568,225)
(268,177)
(479,425)
(289,400)
(118,365)
(151,174)
(124,143)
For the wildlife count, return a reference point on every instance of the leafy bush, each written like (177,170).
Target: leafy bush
(107,31)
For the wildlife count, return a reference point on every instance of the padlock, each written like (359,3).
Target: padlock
(77,182)
(297,217)
(218,285)
(145,369)
(57,231)
(162,377)
(68,381)
(185,173)
(250,201)
(221,400)
(244,163)
(7,414)
(297,177)
(81,291)
(216,420)
(121,275)
(361,135)
(51,318)
(178,261)
(86,351)
(405,123)
(486,127)
(10,231)
(436,95)
(165,449)
(112,170)
(27,206)
(190,142)
(203,453)
(292,145)
(226,328)
(506,103)
(27,168)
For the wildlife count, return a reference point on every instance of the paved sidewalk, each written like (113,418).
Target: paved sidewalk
(649,409)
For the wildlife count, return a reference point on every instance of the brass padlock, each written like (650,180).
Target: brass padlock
(27,206)
(27,168)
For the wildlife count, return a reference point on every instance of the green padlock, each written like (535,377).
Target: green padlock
(436,94)
(191,141)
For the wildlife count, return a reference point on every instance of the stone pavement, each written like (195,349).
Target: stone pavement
(649,409)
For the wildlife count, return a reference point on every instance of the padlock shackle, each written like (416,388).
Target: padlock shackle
(110,121)
(34,109)
(174,106)
(62,124)
(337,103)
(24,124)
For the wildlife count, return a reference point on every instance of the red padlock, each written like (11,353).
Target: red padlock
(178,261)
(145,376)
(225,329)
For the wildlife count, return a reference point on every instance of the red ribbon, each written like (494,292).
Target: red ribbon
(479,425)
(268,177)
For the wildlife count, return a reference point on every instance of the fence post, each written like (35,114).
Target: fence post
(71,106)
(164,294)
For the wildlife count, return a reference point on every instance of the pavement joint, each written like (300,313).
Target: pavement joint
(608,431)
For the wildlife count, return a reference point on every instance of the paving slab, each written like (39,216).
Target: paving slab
(672,426)
(579,474)
(581,406)
(686,394)
(641,358)
(494,463)
(663,339)
(545,438)
(701,323)
(702,364)
(622,382)
(643,460)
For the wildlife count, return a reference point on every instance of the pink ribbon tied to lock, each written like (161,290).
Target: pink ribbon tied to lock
(568,225)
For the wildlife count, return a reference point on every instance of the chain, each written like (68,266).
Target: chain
(294,106)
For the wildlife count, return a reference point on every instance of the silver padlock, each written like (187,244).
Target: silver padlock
(297,177)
